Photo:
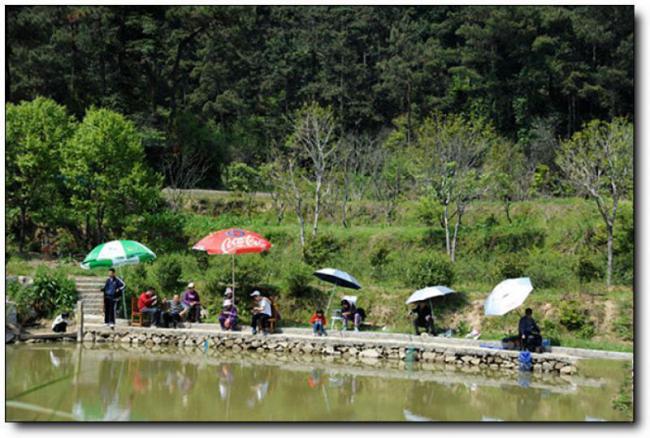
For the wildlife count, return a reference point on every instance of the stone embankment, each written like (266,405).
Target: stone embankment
(347,347)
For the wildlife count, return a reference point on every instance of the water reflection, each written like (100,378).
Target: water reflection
(119,384)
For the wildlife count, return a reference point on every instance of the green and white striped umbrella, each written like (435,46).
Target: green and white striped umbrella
(117,253)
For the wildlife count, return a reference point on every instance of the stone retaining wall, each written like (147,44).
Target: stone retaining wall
(365,350)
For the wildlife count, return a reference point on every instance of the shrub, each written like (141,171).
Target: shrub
(167,272)
(624,324)
(587,269)
(507,238)
(51,291)
(510,266)
(136,279)
(429,270)
(163,232)
(549,269)
(297,279)
(321,249)
(551,331)
(576,318)
(379,259)
(428,211)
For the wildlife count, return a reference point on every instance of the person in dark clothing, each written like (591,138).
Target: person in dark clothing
(113,289)
(529,332)
(175,312)
(422,317)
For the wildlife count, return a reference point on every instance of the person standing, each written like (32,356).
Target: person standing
(261,312)
(113,290)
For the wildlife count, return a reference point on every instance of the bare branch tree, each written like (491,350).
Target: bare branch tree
(313,139)
(183,171)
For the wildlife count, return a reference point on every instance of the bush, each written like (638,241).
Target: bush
(510,266)
(576,318)
(551,331)
(428,211)
(163,232)
(136,279)
(167,271)
(297,279)
(548,269)
(507,238)
(624,325)
(429,270)
(321,249)
(379,259)
(587,269)
(51,292)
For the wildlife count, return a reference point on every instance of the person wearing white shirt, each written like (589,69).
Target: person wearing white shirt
(261,312)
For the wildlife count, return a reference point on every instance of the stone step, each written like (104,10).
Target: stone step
(90,283)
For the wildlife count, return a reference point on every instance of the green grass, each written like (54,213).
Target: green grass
(563,222)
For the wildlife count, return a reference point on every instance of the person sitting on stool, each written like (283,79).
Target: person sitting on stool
(422,317)
(529,333)
(261,312)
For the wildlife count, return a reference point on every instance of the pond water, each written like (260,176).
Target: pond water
(68,382)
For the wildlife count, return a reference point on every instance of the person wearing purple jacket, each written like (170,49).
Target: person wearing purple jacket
(192,303)
(228,316)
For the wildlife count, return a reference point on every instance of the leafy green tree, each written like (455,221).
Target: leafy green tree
(506,170)
(598,161)
(103,172)
(244,181)
(36,131)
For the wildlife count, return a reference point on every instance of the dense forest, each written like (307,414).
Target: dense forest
(223,81)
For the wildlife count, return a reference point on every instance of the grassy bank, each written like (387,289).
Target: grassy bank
(557,242)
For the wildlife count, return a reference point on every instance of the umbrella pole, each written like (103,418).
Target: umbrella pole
(233,278)
(327,309)
(432,318)
(123,301)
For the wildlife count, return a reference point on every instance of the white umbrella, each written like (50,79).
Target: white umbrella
(429,292)
(507,295)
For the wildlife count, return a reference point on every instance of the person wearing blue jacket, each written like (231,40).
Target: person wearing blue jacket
(113,289)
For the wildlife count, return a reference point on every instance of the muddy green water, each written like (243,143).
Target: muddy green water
(59,382)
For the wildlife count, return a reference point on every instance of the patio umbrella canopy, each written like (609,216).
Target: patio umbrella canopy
(428,293)
(507,295)
(117,253)
(233,241)
(337,277)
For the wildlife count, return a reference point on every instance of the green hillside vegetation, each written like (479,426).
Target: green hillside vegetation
(557,242)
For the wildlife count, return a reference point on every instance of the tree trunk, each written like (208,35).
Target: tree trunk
(314,230)
(459,216)
(507,207)
(445,218)
(21,237)
(610,253)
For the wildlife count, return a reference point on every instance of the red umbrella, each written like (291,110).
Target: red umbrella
(233,241)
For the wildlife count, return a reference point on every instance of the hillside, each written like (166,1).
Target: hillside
(557,242)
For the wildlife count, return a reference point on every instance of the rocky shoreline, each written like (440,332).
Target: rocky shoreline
(346,348)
